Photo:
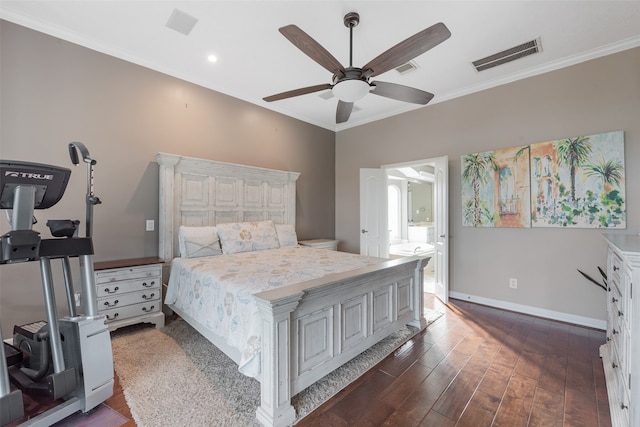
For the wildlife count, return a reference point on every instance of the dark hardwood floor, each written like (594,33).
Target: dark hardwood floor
(475,366)
(478,366)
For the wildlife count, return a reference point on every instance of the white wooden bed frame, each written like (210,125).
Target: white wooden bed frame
(308,329)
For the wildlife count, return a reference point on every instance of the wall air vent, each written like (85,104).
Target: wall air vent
(181,22)
(407,67)
(517,52)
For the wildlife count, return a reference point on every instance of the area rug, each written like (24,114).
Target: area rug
(174,376)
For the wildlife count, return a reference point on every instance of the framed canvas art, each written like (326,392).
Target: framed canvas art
(579,182)
(496,189)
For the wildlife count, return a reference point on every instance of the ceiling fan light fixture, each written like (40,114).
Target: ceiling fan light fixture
(351,90)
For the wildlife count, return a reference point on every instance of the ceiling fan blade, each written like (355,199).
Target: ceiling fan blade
(344,111)
(408,49)
(401,92)
(297,92)
(311,48)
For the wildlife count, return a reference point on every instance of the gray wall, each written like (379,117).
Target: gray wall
(54,92)
(593,97)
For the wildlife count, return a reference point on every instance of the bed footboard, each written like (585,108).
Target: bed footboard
(312,328)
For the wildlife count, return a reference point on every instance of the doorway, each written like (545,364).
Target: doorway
(404,212)
(411,215)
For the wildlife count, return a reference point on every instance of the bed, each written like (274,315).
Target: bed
(299,324)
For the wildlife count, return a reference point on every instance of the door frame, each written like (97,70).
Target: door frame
(441,252)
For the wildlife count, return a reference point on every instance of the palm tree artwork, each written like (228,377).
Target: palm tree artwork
(495,188)
(477,170)
(579,182)
(573,152)
(609,172)
(571,182)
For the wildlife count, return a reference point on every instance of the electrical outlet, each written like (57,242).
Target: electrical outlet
(77,298)
(150,226)
(513,283)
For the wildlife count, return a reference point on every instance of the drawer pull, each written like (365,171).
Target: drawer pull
(113,291)
(615,268)
(148,285)
(614,331)
(108,304)
(614,300)
(619,313)
(148,309)
(148,297)
(115,316)
(623,406)
(613,365)
(608,339)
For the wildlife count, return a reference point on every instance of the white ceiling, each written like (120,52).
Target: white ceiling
(255,60)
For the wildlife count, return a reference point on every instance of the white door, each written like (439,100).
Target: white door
(441,249)
(374,225)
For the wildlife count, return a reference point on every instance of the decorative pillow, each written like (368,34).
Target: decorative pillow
(247,236)
(198,242)
(287,235)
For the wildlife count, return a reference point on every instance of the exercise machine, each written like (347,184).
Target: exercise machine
(70,358)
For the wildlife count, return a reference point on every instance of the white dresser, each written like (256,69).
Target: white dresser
(621,353)
(129,291)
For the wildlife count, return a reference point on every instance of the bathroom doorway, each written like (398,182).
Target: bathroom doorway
(411,228)
(394,223)
(414,226)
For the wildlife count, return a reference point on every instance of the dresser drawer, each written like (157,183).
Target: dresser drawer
(615,268)
(131,311)
(116,301)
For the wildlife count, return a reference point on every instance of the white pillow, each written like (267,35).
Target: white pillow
(287,235)
(198,242)
(247,236)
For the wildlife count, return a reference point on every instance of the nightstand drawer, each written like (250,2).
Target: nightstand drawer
(321,244)
(131,311)
(117,301)
(124,286)
(119,274)
(129,291)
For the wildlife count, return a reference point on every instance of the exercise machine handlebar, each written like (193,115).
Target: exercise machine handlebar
(91,199)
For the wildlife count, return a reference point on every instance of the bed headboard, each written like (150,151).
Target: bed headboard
(199,192)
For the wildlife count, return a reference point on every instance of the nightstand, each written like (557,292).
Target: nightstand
(321,244)
(129,291)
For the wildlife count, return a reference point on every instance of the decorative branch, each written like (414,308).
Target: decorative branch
(591,279)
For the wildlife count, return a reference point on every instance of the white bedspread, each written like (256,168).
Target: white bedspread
(217,291)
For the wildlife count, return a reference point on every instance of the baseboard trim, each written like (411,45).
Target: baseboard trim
(534,311)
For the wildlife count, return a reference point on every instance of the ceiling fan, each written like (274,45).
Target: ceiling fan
(350,84)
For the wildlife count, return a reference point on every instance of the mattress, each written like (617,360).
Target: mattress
(217,291)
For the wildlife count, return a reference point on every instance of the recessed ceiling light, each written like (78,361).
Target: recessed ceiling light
(212,58)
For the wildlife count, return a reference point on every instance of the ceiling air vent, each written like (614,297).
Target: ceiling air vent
(517,52)
(407,67)
(181,22)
